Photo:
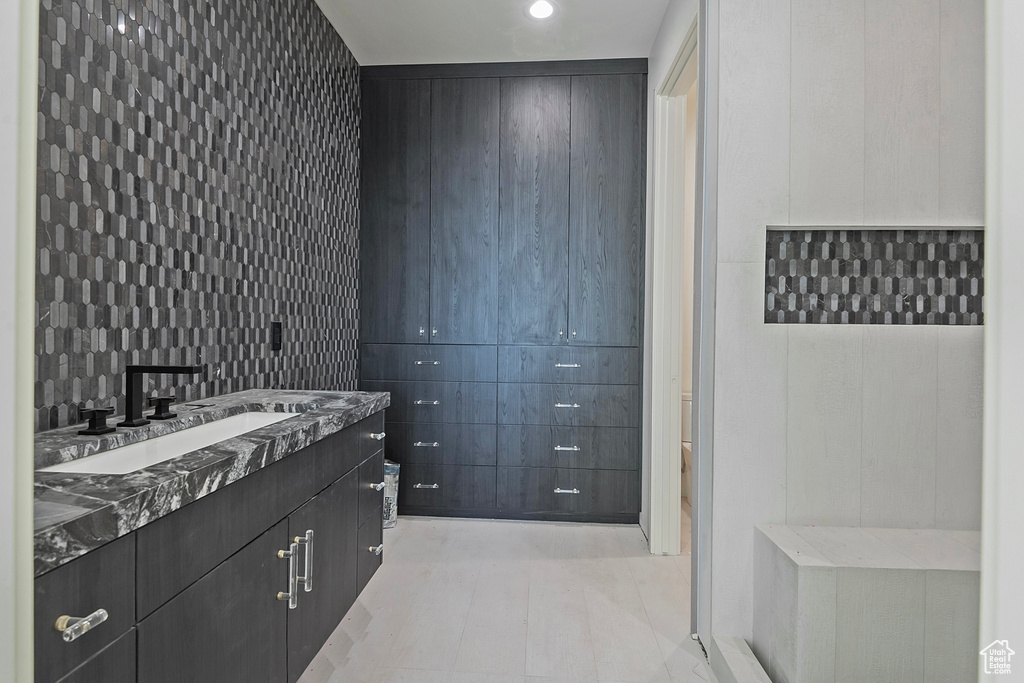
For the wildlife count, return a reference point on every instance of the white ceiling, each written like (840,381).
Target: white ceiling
(455,31)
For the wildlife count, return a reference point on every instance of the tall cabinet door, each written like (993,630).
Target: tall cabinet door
(606,209)
(333,516)
(395,203)
(533,262)
(464,211)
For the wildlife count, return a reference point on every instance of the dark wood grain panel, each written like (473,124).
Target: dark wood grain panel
(228,626)
(441,444)
(423,495)
(611,448)
(533,262)
(467,487)
(114,664)
(532,489)
(395,211)
(584,405)
(607,492)
(572,364)
(103,578)
(464,211)
(569,67)
(371,535)
(371,472)
(607,205)
(433,362)
(457,402)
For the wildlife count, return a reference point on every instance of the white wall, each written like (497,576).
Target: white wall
(679,16)
(841,112)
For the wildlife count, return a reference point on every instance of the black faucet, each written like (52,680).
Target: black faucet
(136,396)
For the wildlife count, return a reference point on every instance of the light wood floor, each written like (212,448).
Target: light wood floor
(479,601)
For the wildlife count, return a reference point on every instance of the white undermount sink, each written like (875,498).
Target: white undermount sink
(159,449)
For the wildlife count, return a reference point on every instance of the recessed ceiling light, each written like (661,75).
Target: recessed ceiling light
(542,9)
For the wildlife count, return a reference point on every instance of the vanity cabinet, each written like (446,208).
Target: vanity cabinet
(195,595)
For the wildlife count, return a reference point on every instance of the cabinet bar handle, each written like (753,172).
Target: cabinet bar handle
(73,628)
(574,491)
(421,402)
(379,436)
(378,486)
(307,578)
(426,486)
(567,405)
(426,444)
(567,448)
(378,550)
(426,362)
(292,596)
(568,365)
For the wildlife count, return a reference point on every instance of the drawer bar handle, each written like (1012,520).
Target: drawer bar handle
(426,362)
(427,444)
(568,365)
(307,578)
(426,486)
(421,402)
(73,628)
(567,448)
(292,596)
(567,405)
(378,550)
(573,491)
(377,487)
(379,436)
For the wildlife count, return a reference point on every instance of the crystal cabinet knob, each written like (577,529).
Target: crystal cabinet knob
(379,436)
(378,486)
(377,550)
(73,628)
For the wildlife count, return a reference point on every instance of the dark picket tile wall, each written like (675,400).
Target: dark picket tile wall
(198,178)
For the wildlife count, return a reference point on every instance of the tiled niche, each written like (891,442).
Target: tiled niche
(894,276)
(198,179)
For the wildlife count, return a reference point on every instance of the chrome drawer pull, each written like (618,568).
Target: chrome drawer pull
(567,491)
(426,444)
(378,436)
(426,362)
(292,596)
(73,628)
(567,448)
(426,486)
(306,579)
(378,550)
(377,487)
(568,365)
(567,405)
(421,402)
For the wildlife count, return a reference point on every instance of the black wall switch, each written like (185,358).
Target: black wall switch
(275,336)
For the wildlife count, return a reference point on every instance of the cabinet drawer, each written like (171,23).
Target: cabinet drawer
(334,456)
(583,405)
(364,431)
(441,444)
(435,362)
(465,402)
(581,492)
(468,488)
(114,664)
(101,579)
(371,473)
(610,448)
(569,364)
(420,486)
(370,536)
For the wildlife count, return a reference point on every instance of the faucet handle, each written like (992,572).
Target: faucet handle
(163,407)
(97,421)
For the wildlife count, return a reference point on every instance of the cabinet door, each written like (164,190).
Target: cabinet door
(114,664)
(606,209)
(533,262)
(229,626)
(395,198)
(464,211)
(332,515)
(371,537)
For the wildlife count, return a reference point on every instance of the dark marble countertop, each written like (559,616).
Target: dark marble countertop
(76,513)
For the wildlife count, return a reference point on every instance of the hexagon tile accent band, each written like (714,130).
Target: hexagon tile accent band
(198,179)
(875,277)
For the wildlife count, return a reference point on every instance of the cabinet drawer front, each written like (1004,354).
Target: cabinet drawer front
(532,489)
(371,473)
(338,454)
(441,444)
(607,492)
(364,434)
(101,579)
(466,402)
(433,362)
(468,488)
(420,486)
(371,535)
(114,664)
(612,448)
(583,405)
(226,627)
(569,364)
